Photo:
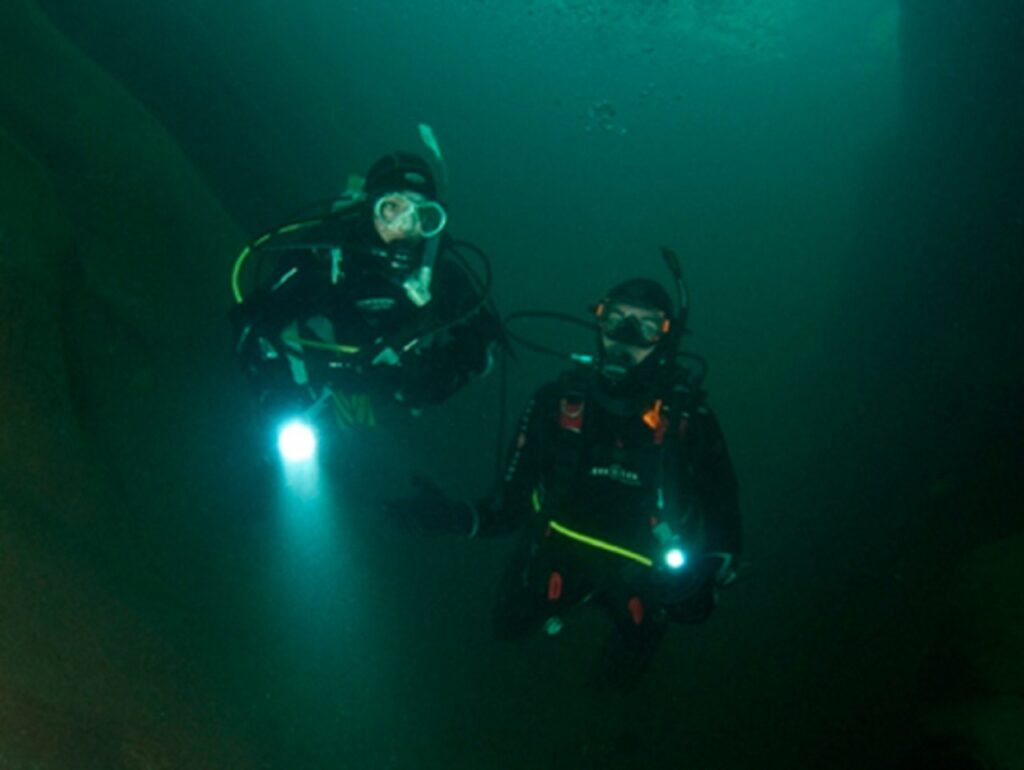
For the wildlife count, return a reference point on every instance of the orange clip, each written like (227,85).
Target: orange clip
(652,417)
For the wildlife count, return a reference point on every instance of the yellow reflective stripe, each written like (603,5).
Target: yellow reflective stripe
(346,349)
(601,544)
(237,272)
(535,500)
(355,409)
(298,226)
(342,410)
(366,413)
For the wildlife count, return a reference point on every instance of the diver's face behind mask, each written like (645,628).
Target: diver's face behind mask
(407,216)
(629,335)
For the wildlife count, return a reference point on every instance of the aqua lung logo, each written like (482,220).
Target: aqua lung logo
(618,474)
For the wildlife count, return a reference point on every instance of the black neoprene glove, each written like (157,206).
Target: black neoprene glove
(688,595)
(430,511)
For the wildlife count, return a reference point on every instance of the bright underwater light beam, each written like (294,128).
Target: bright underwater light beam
(296,442)
(675,558)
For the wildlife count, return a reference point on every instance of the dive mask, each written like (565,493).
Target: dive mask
(408,215)
(630,329)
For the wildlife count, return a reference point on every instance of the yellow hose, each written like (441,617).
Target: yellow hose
(579,537)
(236,272)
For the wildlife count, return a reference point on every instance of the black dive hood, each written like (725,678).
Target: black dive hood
(397,172)
(619,374)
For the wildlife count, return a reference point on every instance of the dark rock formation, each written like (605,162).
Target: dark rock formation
(935,292)
(112,256)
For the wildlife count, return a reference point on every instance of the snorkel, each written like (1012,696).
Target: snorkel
(429,139)
(678,327)
(417,286)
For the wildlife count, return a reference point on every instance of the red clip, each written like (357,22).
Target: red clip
(636,610)
(571,415)
(554,587)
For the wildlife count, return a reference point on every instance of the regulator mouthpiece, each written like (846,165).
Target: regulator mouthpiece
(616,364)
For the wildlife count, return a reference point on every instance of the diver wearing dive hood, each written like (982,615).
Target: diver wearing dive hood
(621,485)
(367,297)
(635,339)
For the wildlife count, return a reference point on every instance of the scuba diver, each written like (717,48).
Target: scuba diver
(621,486)
(365,307)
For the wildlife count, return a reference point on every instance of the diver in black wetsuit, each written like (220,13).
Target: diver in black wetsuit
(368,301)
(621,483)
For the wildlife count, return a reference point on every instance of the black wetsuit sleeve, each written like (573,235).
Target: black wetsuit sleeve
(511,505)
(297,278)
(268,309)
(716,485)
(459,352)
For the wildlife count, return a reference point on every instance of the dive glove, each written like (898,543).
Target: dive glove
(430,511)
(689,595)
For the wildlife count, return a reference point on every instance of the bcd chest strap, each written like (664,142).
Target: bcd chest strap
(665,421)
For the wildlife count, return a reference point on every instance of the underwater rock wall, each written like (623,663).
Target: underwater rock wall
(935,275)
(984,712)
(109,248)
(938,279)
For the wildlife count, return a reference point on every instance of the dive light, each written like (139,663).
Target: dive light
(675,558)
(673,555)
(296,441)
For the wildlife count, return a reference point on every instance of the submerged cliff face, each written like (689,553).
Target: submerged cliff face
(940,277)
(978,677)
(106,235)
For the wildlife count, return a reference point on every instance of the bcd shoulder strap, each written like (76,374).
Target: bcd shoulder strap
(667,418)
(570,437)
